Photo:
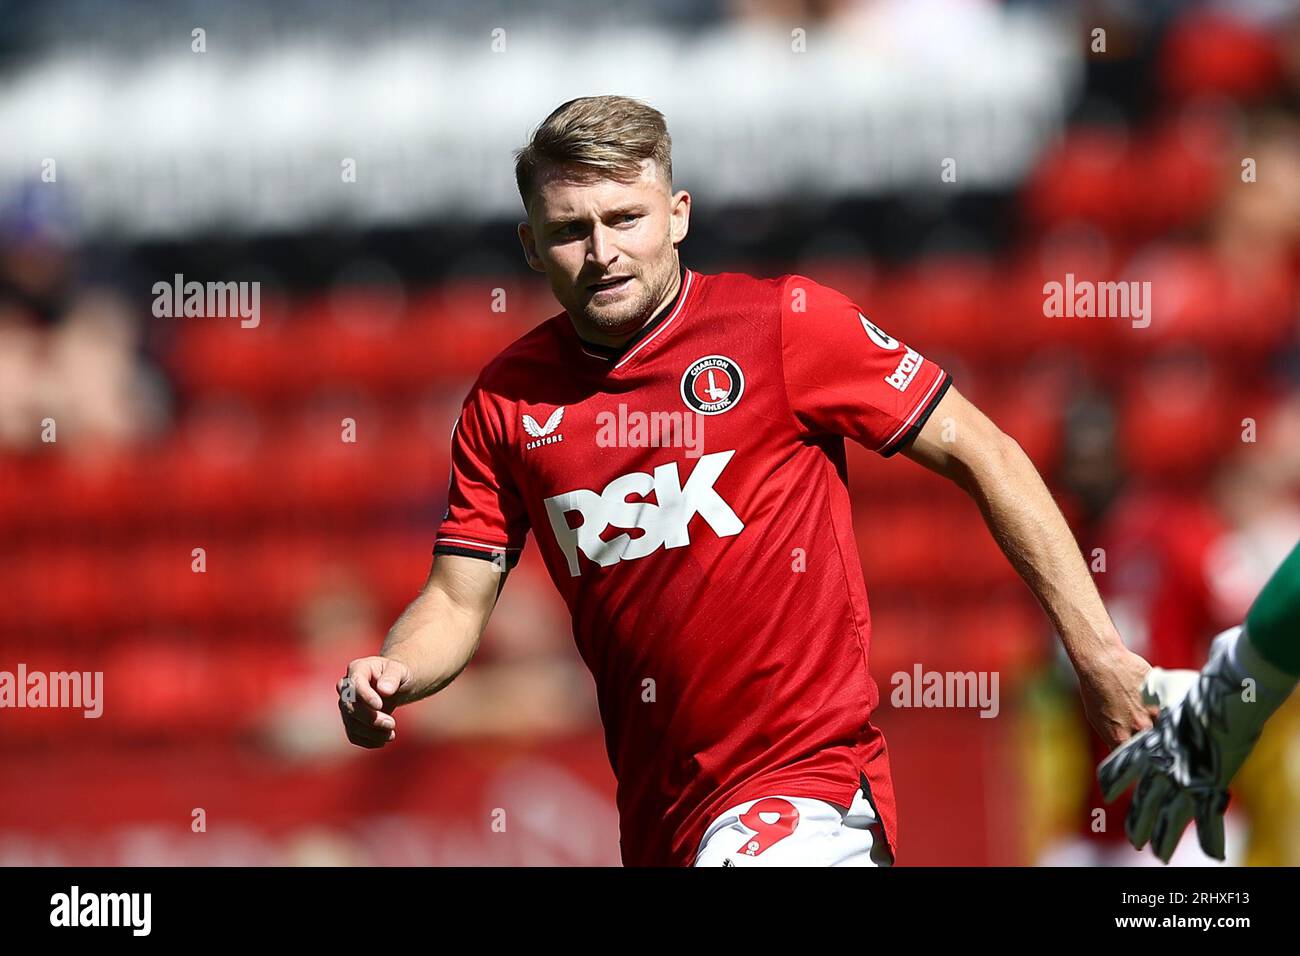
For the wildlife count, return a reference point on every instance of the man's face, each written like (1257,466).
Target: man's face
(607,247)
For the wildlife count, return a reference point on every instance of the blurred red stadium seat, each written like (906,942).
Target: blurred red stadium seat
(1213,52)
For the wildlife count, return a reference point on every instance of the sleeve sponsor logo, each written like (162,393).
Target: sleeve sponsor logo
(878,335)
(907,368)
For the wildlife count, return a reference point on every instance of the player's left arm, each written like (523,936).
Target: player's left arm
(959,442)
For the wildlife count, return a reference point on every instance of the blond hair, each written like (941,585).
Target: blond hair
(595,137)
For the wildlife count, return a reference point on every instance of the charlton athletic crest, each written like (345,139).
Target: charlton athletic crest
(712,385)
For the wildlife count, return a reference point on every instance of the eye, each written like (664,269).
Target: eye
(630,217)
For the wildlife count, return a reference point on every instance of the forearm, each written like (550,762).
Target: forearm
(962,444)
(435,638)
(1031,531)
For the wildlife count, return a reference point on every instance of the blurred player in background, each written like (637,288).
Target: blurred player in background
(714,587)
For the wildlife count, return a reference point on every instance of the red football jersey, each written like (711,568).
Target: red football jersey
(708,560)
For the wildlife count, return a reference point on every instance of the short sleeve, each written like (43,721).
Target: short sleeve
(485,514)
(846,376)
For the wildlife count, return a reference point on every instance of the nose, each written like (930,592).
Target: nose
(600,250)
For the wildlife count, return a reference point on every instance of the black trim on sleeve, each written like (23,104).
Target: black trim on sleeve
(917,425)
(486,555)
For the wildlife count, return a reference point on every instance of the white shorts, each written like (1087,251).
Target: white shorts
(796,831)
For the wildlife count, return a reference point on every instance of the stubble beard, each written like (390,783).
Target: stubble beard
(624,316)
(627,316)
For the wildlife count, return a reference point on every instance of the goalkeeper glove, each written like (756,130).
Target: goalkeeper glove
(1184,763)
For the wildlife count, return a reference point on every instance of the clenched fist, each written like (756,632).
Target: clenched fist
(1111,685)
(368,694)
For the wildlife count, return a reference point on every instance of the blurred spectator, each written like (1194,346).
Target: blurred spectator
(69,353)
(525,683)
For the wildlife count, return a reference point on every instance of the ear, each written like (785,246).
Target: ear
(529,242)
(679,222)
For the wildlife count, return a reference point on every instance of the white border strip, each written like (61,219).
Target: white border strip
(474,544)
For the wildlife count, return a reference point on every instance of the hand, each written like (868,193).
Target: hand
(368,695)
(1183,765)
(1111,686)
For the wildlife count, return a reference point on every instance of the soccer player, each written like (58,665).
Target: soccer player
(715,590)
(1208,723)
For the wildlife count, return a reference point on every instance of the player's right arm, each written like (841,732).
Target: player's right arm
(426,648)
(480,538)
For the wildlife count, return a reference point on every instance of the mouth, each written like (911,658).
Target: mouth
(611,284)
